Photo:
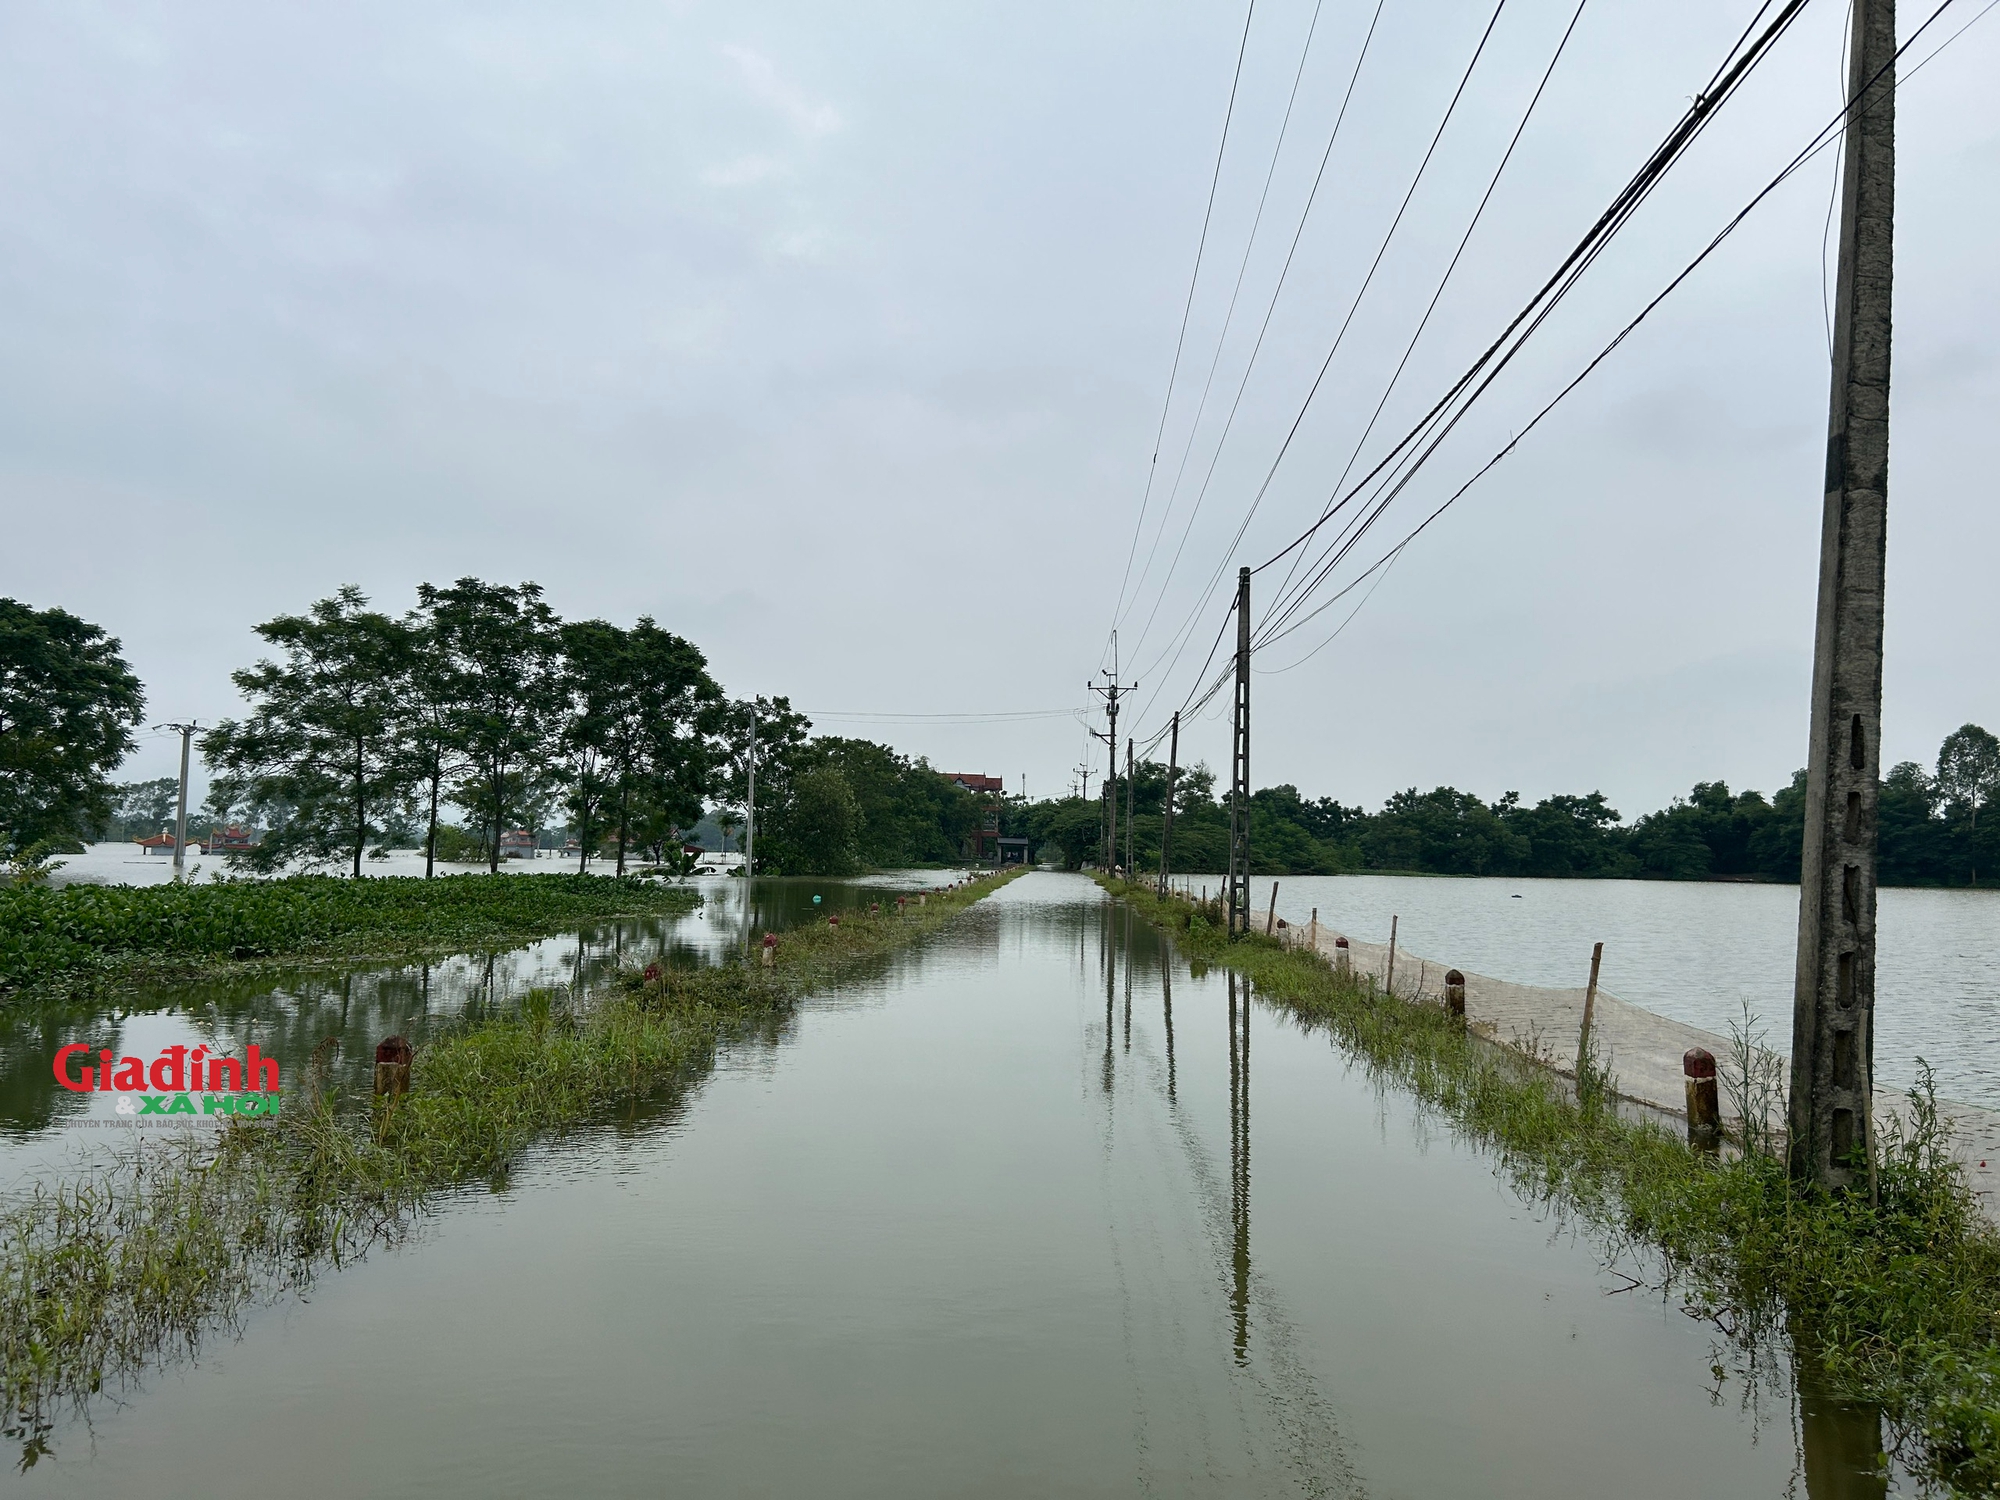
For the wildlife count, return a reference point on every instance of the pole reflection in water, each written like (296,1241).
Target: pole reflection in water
(1106,963)
(1840,1445)
(1128,978)
(1239,1166)
(1167,1012)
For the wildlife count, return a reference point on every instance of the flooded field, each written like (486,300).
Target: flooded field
(1033,1210)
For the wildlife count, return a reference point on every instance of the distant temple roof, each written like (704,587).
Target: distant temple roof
(976,783)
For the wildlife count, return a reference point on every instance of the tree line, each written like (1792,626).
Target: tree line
(1936,828)
(475,712)
(367,729)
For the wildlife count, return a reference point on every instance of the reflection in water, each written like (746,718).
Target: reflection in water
(1239,1165)
(1840,1443)
(1167,1014)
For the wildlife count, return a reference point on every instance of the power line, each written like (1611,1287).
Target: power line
(1827,135)
(1299,417)
(1228,316)
(1414,449)
(1264,328)
(1187,307)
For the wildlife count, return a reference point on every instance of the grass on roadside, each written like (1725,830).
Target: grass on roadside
(107,1273)
(69,938)
(1896,1304)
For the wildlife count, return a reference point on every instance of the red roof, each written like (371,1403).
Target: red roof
(975,783)
(160,840)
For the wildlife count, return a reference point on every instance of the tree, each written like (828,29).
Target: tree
(430,747)
(780,736)
(321,734)
(663,741)
(68,705)
(1968,777)
(145,806)
(595,669)
(817,833)
(501,641)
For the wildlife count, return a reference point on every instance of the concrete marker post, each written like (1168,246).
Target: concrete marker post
(1454,994)
(1343,958)
(1704,1110)
(392,1066)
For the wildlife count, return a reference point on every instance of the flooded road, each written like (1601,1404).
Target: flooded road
(1035,1210)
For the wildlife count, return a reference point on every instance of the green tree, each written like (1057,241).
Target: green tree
(1968,779)
(780,738)
(501,643)
(144,807)
(68,706)
(321,734)
(818,831)
(663,741)
(430,746)
(595,669)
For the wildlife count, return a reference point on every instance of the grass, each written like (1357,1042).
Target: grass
(138,1261)
(74,938)
(1895,1304)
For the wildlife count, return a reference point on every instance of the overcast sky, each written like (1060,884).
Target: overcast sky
(836,339)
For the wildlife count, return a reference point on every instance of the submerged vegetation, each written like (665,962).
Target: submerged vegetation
(1895,1303)
(71,936)
(137,1261)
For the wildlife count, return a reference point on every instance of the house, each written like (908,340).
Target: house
(230,840)
(983,842)
(517,843)
(160,843)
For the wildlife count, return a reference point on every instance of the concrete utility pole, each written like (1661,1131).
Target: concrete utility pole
(187,733)
(1833,1010)
(750,802)
(1167,819)
(1111,691)
(1084,772)
(1236,895)
(1128,809)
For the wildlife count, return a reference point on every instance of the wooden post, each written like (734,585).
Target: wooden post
(1271,916)
(392,1066)
(1389,980)
(1704,1110)
(1589,1005)
(1454,993)
(1312,932)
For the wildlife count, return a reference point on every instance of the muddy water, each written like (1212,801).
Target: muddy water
(1032,1211)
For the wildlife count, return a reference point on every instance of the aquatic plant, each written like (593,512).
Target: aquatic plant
(1895,1303)
(75,935)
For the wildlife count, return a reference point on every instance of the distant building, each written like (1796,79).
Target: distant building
(233,839)
(981,784)
(517,843)
(983,842)
(160,843)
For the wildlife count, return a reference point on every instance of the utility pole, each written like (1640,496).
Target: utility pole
(1084,772)
(1236,896)
(1167,820)
(1111,691)
(1128,809)
(750,802)
(1833,1005)
(187,733)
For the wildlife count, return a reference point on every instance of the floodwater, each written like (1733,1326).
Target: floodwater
(1695,951)
(289,1012)
(1031,1209)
